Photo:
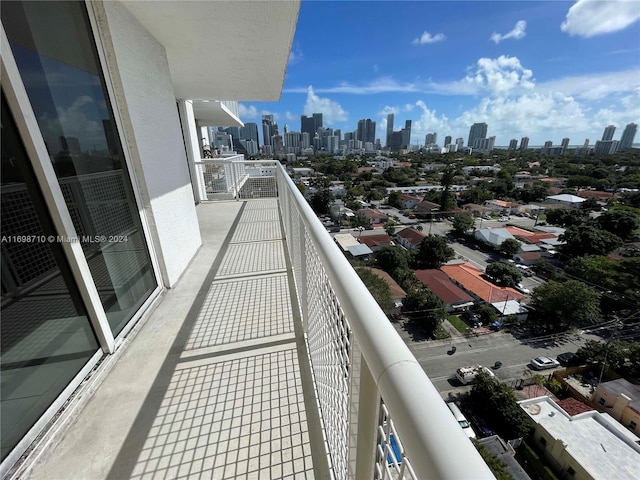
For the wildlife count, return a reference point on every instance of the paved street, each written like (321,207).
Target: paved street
(440,365)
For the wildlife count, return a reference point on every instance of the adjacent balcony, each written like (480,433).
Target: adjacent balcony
(269,360)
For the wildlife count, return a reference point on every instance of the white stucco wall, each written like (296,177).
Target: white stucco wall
(141,76)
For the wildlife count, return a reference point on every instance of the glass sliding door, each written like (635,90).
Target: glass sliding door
(46,335)
(54,49)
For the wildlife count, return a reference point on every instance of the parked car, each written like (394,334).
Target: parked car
(544,363)
(522,289)
(566,358)
(472,318)
(468,375)
(462,420)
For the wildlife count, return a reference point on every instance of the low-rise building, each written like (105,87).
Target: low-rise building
(409,201)
(377,242)
(471,279)
(566,200)
(452,296)
(621,399)
(410,238)
(586,446)
(397,293)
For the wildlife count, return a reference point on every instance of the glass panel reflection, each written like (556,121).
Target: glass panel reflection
(46,336)
(59,67)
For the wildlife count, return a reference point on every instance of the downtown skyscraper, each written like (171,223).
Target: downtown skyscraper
(389,129)
(626,141)
(366,131)
(478,131)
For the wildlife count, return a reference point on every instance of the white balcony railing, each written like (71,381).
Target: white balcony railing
(381,415)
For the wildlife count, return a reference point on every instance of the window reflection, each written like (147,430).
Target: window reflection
(59,67)
(46,336)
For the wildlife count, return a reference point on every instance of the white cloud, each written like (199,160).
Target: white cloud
(247,111)
(378,85)
(587,18)
(594,86)
(500,75)
(332,111)
(295,55)
(517,33)
(290,116)
(426,37)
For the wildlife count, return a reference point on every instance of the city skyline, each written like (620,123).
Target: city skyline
(542,70)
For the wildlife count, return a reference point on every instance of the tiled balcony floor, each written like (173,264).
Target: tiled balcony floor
(212,385)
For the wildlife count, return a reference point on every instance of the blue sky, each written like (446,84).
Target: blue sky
(545,70)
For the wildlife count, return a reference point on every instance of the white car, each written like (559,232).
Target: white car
(543,363)
(468,375)
(521,288)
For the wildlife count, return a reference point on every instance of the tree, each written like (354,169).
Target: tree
(392,258)
(620,223)
(394,198)
(424,306)
(321,201)
(433,252)
(462,222)
(562,305)
(496,402)
(390,227)
(504,273)
(588,239)
(510,246)
(565,217)
(622,356)
(359,220)
(379,289)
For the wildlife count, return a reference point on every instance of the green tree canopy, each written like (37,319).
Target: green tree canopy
(504,273)
(510,246)
(462,222)
(379,289)
(394,198)
(321,201)
(565,217)
(562,305)
(620,223)
(392,258)
(424,306)
(433,252)
(623,356)
(496,402)
(390,227)
(586,239)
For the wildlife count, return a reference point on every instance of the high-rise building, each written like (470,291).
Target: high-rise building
(447,141)
(366,130)
(460,143)
(607,147)
(389,128)
(338,133)
(311,124)
(406,134)
(564,144)
(524,143)
(269,129)
(485,145)
(305,140)
(476,132)
(607,135)
(396,141)
(513,143)
(431,139)
(250,132)
(626,141)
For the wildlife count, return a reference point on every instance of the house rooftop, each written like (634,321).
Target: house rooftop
(412,235)
(375,240)
(470,277)
(565,197)
(396,290)
(441,285)
(603,447)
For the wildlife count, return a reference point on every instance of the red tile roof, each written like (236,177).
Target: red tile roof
(470,277)
(396,290)
(573,406)
(527,236)
(441,285)
(413,236)
(375,240)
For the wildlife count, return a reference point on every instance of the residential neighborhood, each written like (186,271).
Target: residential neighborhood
(479,268)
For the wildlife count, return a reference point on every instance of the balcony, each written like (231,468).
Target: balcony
(269,360)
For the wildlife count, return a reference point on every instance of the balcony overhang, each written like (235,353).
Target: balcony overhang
(222,49)
(215,113)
